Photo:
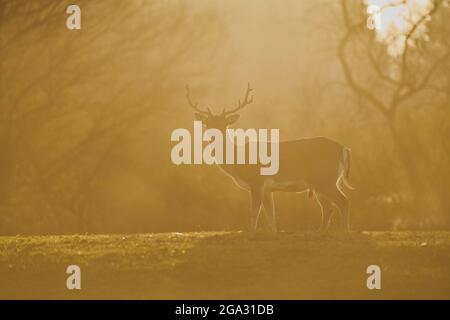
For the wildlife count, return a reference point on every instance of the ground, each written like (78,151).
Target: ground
(227,265)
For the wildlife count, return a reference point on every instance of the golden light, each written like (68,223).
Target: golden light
(397,19)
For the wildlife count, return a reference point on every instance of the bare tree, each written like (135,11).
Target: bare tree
(389,84)
(68,102)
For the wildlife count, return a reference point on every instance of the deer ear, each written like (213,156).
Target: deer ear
(232,119)
(200,117)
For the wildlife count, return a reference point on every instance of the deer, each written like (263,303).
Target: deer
(317,165)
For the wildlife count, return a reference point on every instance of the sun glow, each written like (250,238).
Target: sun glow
(397,19)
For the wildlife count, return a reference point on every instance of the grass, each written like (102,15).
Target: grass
(227,265)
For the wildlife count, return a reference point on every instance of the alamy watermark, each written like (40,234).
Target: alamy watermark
(73,21)
(227,147)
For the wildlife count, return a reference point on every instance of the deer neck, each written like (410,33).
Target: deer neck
(229,168)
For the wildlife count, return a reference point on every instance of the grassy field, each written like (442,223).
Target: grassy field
(227,265)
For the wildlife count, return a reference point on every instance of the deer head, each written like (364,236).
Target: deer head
(222,120)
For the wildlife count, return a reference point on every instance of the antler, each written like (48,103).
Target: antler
(243,104)
(194,106)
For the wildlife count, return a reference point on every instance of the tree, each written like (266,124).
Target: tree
(72,96)
(388,83)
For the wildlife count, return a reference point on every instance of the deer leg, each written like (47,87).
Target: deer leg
(327,210)
(257,196)
(269,210)
(342,203)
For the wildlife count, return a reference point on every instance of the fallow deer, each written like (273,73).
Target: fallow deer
(318,165)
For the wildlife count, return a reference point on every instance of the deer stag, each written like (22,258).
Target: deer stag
(318,165)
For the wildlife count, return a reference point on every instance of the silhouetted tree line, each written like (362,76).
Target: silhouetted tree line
(86,116)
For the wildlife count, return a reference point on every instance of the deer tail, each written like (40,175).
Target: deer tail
(347,156)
